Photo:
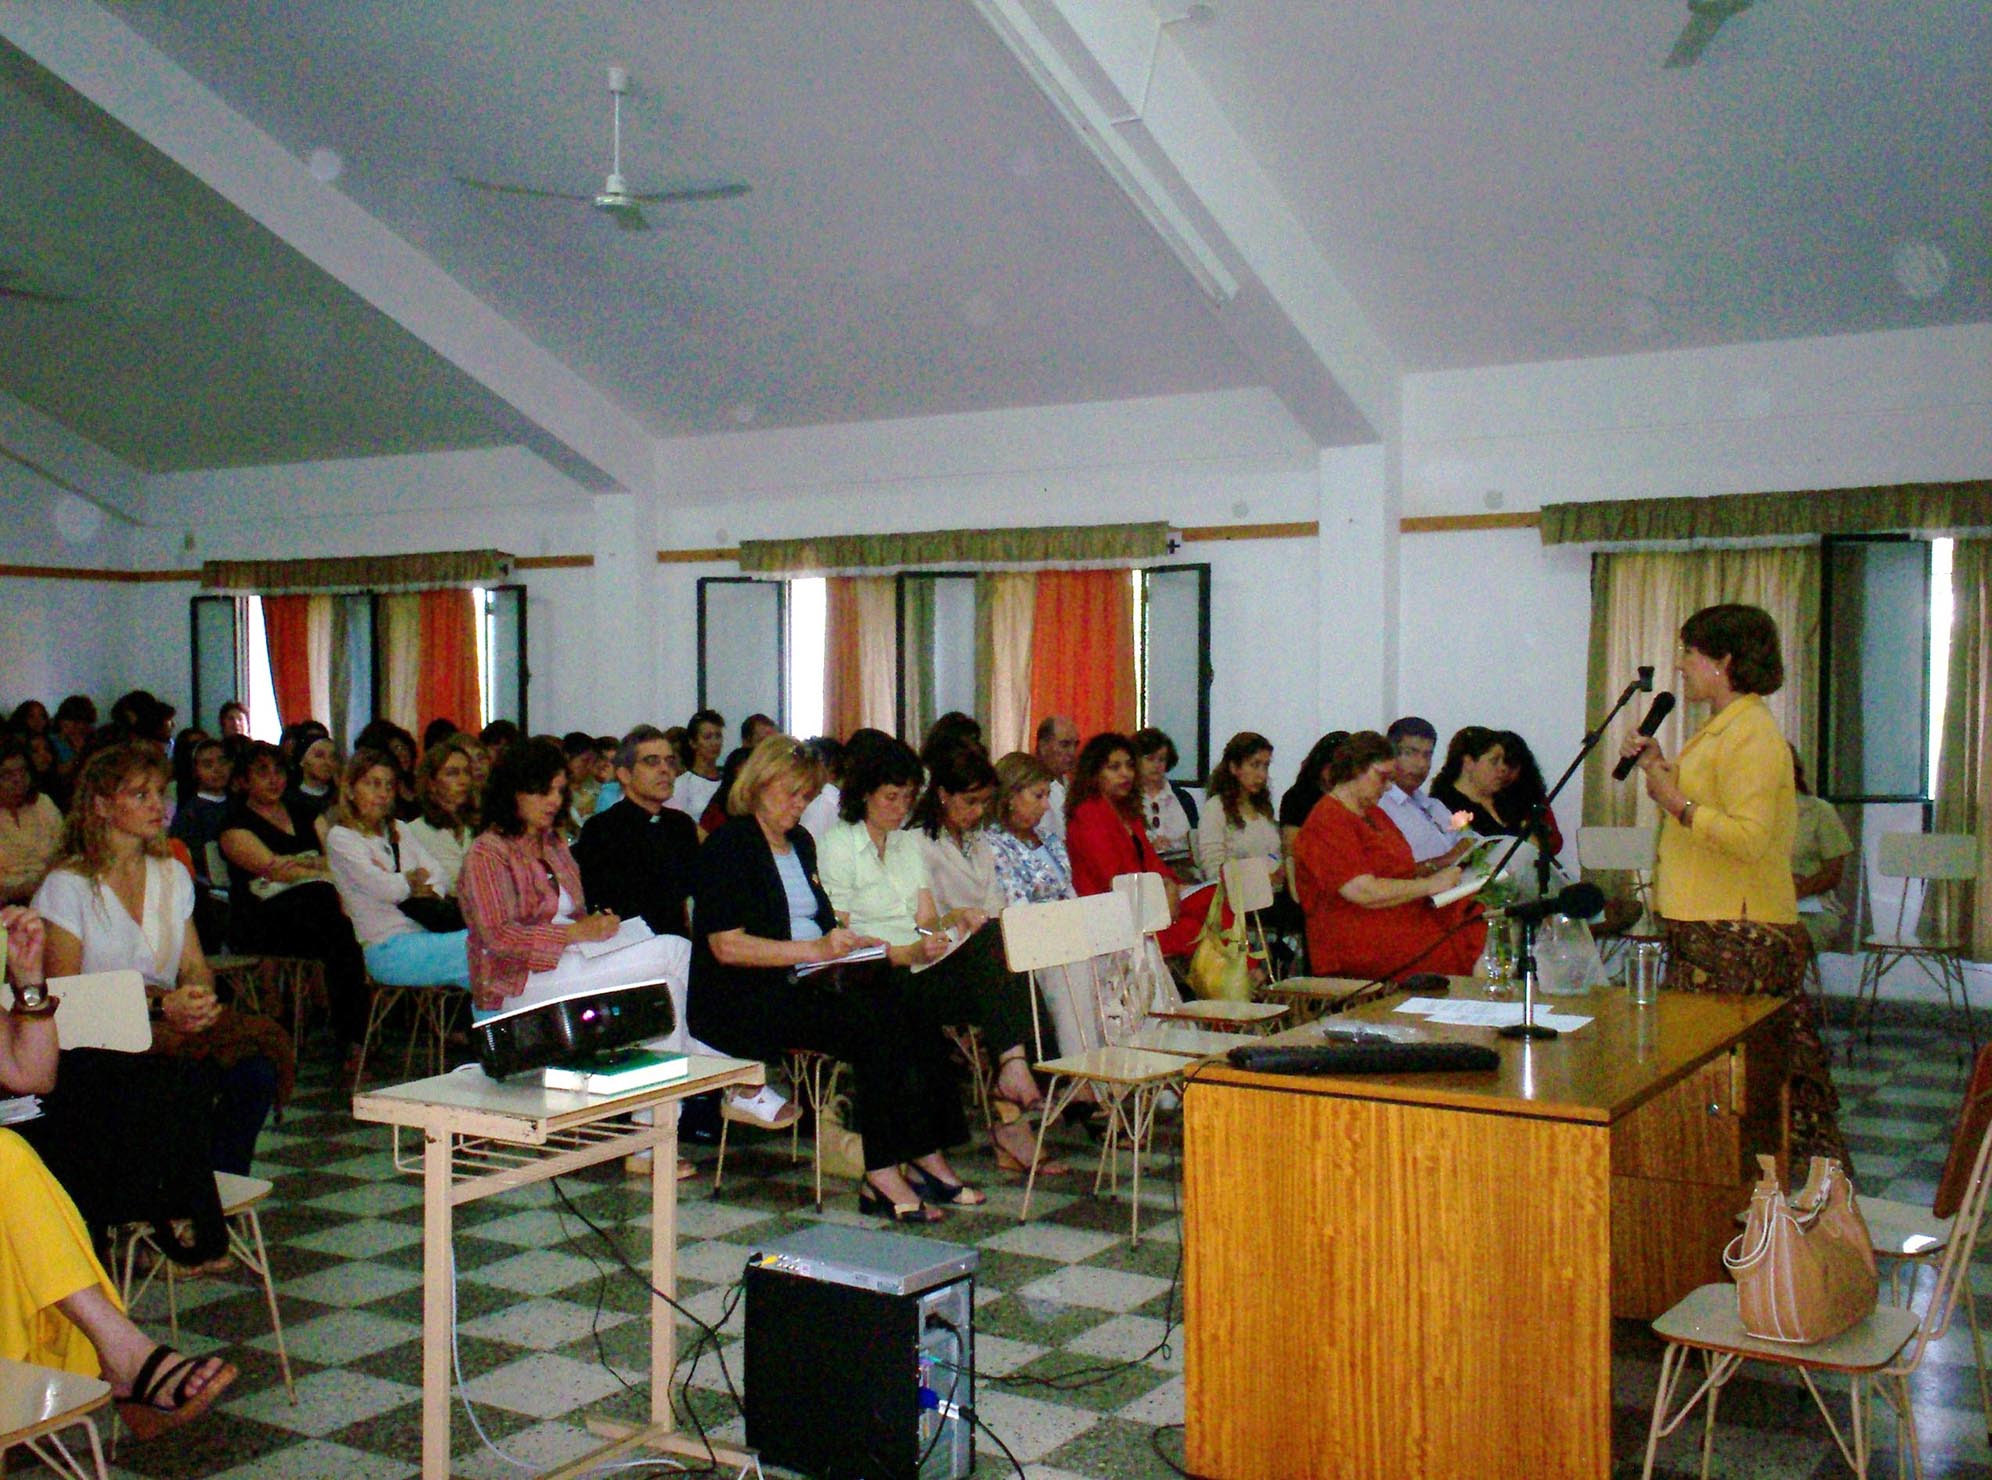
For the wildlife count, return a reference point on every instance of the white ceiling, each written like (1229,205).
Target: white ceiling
(1490,184)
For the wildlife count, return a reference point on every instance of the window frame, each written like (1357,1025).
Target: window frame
(1206,673)
(1826,778)
(781,589)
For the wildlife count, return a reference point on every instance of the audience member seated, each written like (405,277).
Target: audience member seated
(1238,822)
(1057,751)
(1471,779)
(1366,901)
(202,773)
(636,858)
(445,782)
(436,731)
(528,915)
(1426,824)
(761,911)
(399,747)
(281,901)
(951,729)
(1105,837)
(714,817)
(378,866)
(142,715)
(705,738)
(495,738)
(821,813)
(1301,798)
(30,825)
(756,728)
(1522,789)
(75,722)
(314,778)
(1819,851)
(953,967)
(117,900)
(609,790)
(30,717)
(232,720)
(1168,810)
(583,786)
(947,825)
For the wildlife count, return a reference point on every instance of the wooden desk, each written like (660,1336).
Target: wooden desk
(1405,1276)
(483,1136)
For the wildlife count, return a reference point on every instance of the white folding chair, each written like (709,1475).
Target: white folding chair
(39,1404)
(1880,1353)
(1127,1081)
(1631,850)
(239,1199)
(1931,859)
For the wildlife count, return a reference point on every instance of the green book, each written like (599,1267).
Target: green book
(618,1071)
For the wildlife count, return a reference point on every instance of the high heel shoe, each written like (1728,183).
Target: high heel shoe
(932,1189)
(875,1204)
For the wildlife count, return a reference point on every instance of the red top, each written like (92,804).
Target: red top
(1103,843)
(510,891)
(1347,939)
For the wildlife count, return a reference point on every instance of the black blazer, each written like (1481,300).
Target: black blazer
(735,886)
(638,864)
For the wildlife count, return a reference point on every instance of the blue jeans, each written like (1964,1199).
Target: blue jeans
(421,958)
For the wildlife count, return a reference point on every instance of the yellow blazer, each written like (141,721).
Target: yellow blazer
(1734,862)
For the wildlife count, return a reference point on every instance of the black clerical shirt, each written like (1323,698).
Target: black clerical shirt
(638,864)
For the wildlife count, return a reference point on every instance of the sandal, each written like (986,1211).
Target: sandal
(932,1189)
(876,1204)
(1008,1161)
(160,1401)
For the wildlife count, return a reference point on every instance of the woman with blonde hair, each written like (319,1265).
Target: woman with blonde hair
(377,866)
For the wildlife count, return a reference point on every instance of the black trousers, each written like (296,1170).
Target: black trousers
(308,921)
(905,1098)
(128,1135)
(974,984)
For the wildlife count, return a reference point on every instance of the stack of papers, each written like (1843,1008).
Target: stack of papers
(1469,1014)
(632,931)
(13,1112)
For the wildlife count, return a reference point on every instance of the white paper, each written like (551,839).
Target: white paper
(632,932)
(807,969)
(1486,1014)
(13,1112)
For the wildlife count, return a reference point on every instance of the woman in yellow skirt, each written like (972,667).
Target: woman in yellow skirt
(57,1306)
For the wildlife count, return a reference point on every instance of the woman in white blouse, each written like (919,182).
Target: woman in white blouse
(1167,810)
(445,786)
(1238,818)
(376,864)
(947,827)
(117,900)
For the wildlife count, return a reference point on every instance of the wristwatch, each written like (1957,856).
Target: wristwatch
(1687,817)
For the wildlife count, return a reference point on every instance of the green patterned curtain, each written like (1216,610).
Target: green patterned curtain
(1051,546)
(359,573)
(1926,508)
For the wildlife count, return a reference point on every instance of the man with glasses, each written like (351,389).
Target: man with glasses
(1426,825)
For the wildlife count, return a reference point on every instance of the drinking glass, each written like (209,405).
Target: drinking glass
(1645,969)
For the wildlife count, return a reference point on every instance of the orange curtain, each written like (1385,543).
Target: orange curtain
(860,654)
(446,684)
(1082,649)
(287,632)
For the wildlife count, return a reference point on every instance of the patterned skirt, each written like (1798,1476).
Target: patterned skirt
(1751,958)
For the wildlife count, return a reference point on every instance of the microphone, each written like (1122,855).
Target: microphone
(1663,705)
(1645,678)
(1578,901)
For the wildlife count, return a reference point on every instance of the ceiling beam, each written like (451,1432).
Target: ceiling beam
(72,464)
(1121,82)
(560,416)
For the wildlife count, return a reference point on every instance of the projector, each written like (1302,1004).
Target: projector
(563,1030)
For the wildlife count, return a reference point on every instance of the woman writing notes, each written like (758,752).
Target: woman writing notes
(1723,883)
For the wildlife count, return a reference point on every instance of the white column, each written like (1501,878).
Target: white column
(621,621)
(1356,606)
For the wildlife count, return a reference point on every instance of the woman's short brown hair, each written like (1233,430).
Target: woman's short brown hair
(776,758)
(1357,754)
(1747,636)
(1015,772)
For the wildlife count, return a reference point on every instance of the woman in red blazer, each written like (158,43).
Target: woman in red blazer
(1104,837)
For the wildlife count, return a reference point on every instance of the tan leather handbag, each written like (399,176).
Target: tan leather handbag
(1803,1265)
(1222,964)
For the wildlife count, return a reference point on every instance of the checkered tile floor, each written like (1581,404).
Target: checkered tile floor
(549,1328)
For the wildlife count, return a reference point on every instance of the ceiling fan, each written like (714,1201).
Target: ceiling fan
(615,199)
(1705,18)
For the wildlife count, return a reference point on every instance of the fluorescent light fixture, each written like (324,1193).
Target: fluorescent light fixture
(1058,81)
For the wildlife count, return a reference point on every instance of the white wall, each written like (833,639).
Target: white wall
(59,637)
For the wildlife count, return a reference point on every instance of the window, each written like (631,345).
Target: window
(501,654)
(1884,638)
(1172,672)
(743,647)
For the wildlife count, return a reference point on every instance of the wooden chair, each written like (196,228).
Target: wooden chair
(1932,859)
(1880,1353)
(433,1008)
(1249,888)
(39,1404)
(814,1078)
(966,1040)
(240,1197)
(1127,1081)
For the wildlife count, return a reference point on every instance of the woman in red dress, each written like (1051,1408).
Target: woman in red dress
(1104,837)
(1364,895)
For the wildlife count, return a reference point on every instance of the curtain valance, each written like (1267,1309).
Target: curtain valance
(1045,547)
(359,573)
(1927,508)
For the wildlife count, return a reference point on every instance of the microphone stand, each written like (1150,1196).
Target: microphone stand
(1528,1028)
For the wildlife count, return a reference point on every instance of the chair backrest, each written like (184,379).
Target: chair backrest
(1069,933)
(105,1009)
(1954,1272)
(1909,855)
(1631,848)
(1150,900)
(1248,884)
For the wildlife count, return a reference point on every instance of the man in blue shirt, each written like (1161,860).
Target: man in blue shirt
(1426,825)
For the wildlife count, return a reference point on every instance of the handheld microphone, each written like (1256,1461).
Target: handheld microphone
(1663,705)
(1578,901)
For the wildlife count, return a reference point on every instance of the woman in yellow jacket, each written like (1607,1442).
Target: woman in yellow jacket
(1723,885)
